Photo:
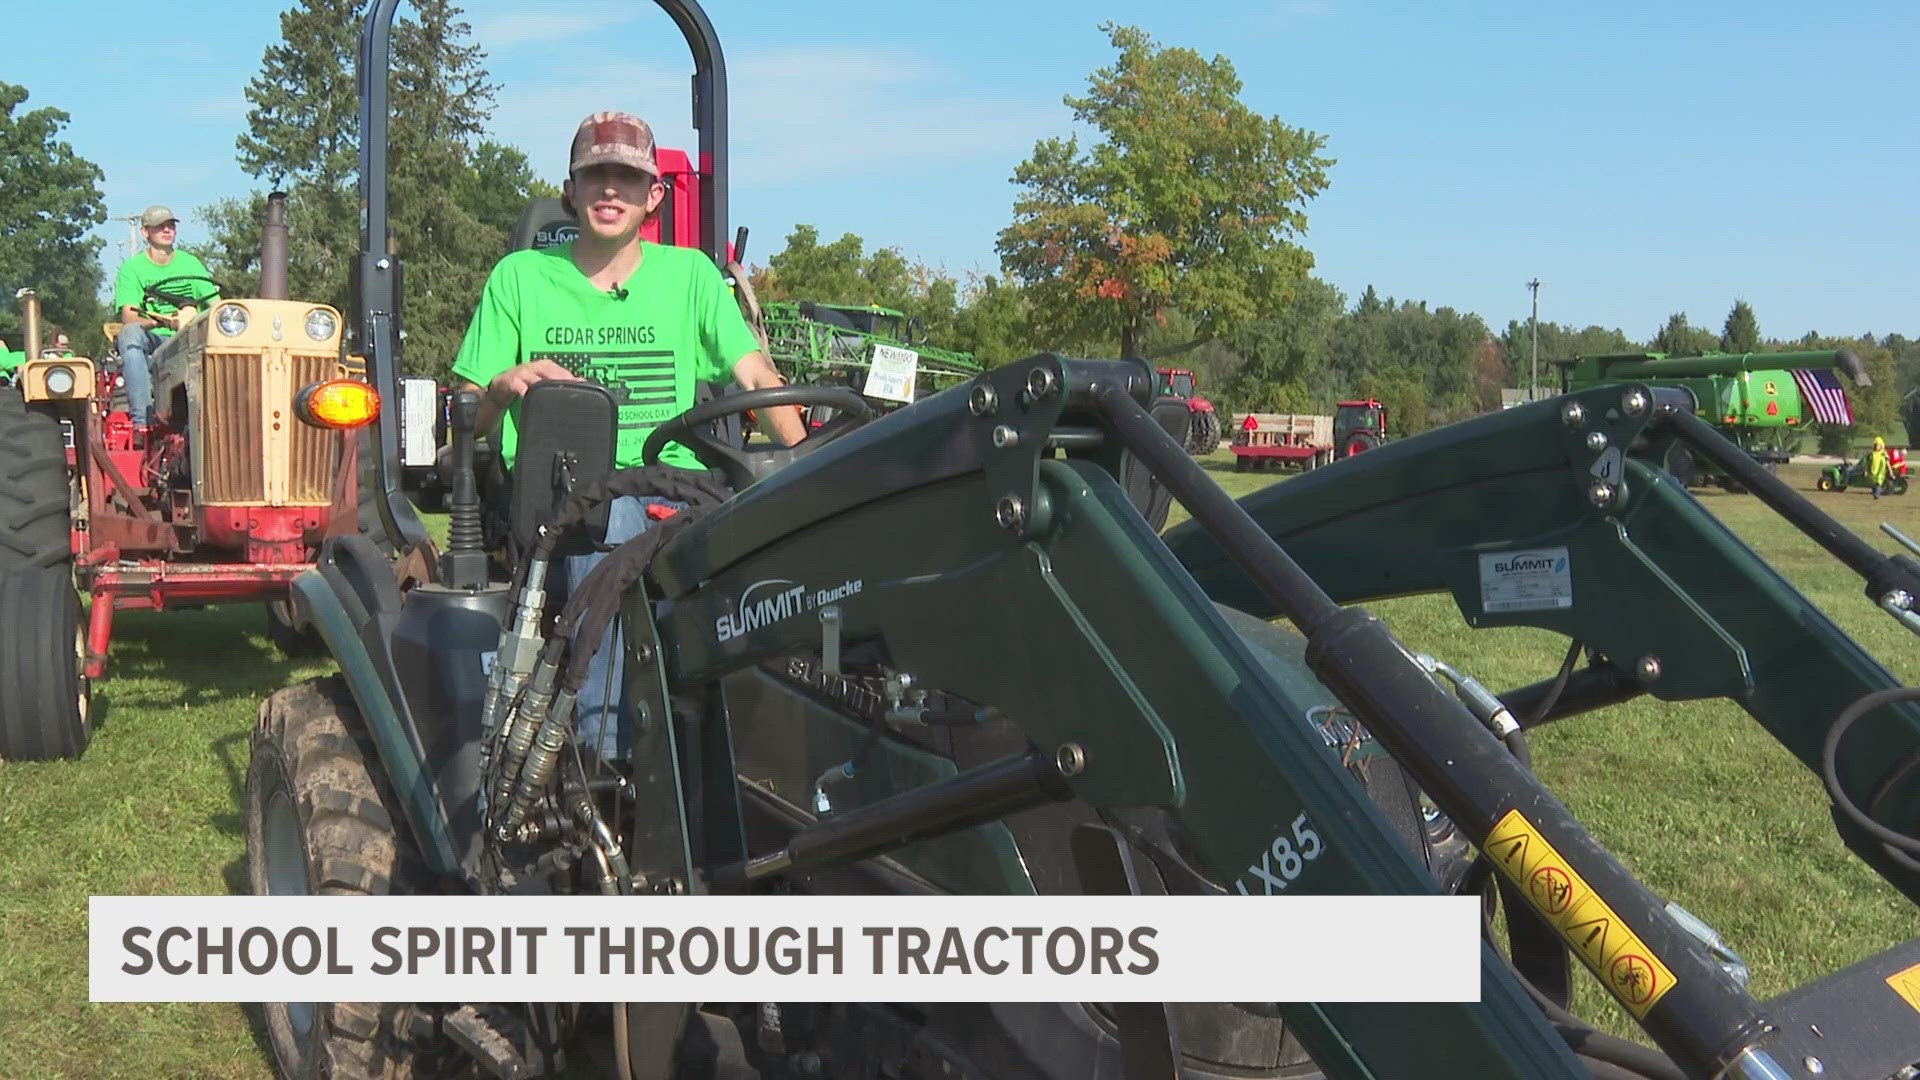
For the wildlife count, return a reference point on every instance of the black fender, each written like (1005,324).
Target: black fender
(351,599)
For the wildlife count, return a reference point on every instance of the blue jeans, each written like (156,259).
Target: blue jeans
(599,707)
(137,345)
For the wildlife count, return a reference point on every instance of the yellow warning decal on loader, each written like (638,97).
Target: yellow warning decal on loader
(1907,985)
(1590,928)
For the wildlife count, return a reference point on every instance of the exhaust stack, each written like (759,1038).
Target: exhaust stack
(273,249)
(30,315)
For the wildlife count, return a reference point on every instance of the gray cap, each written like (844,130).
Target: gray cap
(156,216)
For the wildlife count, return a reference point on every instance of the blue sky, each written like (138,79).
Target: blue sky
(1638,158)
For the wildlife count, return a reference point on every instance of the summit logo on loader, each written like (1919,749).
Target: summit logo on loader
(770,608)
(1526,564)
(764,603)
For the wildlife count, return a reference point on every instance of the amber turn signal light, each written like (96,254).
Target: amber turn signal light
(337,403)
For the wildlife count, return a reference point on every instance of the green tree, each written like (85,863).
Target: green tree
(1284,357)
(1557,343)
(842,272)
(994,321)
(845,272)
(1402,390)
(1741,334)
(1678,338)
(453,196)
(1442,344)
(49,199)
(497,185)
(1192,201)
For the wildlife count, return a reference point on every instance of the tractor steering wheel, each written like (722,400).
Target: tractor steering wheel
(742,467)
(180,300)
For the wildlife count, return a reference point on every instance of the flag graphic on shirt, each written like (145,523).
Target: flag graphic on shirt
(1823,391)
(643,383)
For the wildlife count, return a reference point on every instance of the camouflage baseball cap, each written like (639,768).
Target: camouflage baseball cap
(614,138)
(156,216)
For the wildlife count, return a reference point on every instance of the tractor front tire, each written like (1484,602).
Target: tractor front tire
(34,499)
(1204,436)
(1825,483)
(46,700)
(321,822)
(1898,485)
(304,643)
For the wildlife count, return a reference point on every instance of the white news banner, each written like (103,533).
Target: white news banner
(802,948)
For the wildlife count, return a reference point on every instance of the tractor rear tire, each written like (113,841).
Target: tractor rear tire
(1204,437)
(322,822)
(46,700)
(1358,442)
(34,490)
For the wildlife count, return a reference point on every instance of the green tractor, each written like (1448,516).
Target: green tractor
(880,353)
(1763,402)
(985,673)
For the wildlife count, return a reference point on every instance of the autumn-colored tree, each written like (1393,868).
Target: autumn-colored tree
(1191,201)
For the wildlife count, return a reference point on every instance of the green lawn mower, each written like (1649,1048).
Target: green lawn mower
(995,676)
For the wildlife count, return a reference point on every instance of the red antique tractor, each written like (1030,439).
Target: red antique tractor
(249,465)
(1203,432)
(1358,426)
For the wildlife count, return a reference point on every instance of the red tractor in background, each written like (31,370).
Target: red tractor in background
(248,467)
(1203,430)
(1358,426)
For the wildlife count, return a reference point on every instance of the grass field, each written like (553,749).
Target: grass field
(1693,797)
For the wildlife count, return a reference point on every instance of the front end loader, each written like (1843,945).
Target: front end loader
(944,652)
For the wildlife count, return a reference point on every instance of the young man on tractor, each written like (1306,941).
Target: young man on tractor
(147,319)
(647,320)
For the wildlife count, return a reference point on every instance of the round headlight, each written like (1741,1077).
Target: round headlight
(321,324)
(60,381)
(231,319)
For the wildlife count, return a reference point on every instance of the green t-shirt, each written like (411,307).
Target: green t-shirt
(9,361)
(129,289)
(678,325)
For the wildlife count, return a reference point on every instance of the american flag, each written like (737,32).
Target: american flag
(1821,390)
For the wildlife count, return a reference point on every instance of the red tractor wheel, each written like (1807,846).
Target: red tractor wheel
(34,490)
(45,697)
(1203,437)
(1358,442)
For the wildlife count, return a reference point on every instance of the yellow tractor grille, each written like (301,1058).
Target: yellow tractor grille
(313,452)
(248,429)
(233,458)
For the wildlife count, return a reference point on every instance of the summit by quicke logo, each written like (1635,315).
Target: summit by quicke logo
(764,603)
(1532,564)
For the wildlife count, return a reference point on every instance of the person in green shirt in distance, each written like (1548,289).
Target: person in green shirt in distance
(10,362)
(647,320)
(140,335)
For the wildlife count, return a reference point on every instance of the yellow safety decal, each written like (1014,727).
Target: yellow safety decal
(1907,985)
(1590,928)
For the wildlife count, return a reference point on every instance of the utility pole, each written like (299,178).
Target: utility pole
(133,233)
(1533,393)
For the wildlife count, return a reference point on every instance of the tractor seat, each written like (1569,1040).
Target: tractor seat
(543,224)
